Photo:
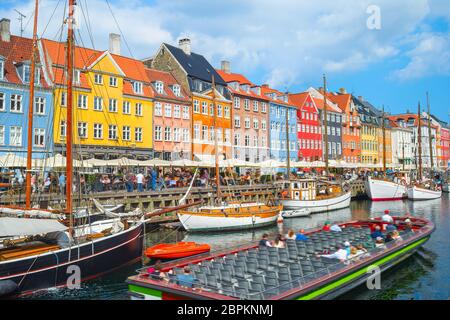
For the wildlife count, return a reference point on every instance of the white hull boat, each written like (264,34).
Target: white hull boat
(319,205)
(416,193)
(295,213)
(382,190)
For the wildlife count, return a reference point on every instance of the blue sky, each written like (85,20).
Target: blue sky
(288,44)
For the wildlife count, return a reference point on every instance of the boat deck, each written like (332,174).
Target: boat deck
(273,273)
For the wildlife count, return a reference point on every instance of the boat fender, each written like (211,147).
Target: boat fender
(280,219)
(8,287)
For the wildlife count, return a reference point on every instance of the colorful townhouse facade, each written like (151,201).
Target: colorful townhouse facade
(113,108)
(370,124)
(195,74)
(334,124)
(250,117)
(309,127)
(171,117)
(402,146)
(283,125)
(15,69)
(445,145)
(351,126)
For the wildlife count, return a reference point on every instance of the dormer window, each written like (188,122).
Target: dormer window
(26,74)
(76,76)
(2,68)
(137,87)
(176,90)
(159,86)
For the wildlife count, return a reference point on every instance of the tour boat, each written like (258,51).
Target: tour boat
(236,216)
(307,194)
(422,193)
(176,250)
(295,213)
(385,190)
(295,272)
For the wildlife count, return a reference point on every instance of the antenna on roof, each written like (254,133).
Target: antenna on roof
(20,18)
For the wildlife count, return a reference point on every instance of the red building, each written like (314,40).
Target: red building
(445,146)
(309,128)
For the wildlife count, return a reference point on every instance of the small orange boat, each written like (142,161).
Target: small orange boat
(176,250)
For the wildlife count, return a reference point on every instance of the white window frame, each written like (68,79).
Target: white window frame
(39,105)
(18,133)
(82,101)
(83,126)
(62,129)
(138,134)
(98,131)
(16,101)
(186,112)
(167,110)
(2,101)
(39,133)
(98,100)
(112,132)
(196,106)
(177,111)
(113,82)
(158,109)
(2,135)
(137,87)
(112,106)
(126,133)
(138,109)
(98,78)
(168,134)
(126,107)
(158,133)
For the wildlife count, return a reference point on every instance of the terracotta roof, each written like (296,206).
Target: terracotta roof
(298,99)
(265,90)
(331,107)
(342,100)
(235,77)
(169,80)
(17,50)
(407,116)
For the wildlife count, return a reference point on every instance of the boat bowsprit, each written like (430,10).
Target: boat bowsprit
(176,250)
(300,271)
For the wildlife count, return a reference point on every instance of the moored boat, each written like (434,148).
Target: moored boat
(295,213)
(294,272)
(422,193)
(386,190)
(176,250)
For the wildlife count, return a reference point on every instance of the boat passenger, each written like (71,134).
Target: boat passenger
(340,254)
(301,236)
(377,233)
(396,236)
(291,235)
(335,228)
(156,272)
(391,228)
(348,247)
(386,217)
(186,279)
(361,249)
(264,242)
(326,226)
(278,242)
(388,238)
(409,226)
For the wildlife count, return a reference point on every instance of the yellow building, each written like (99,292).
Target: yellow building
(369,144)
(113,107)
(388,133)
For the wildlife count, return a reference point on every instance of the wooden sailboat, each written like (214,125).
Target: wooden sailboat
(385,189)
(311,194)
(422,189)
(226,215)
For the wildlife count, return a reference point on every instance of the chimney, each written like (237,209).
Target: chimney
(185,45)
(265,85)
(342,90)
(225,66)
(360,98)
(5,32)
(114,43)
(321,90)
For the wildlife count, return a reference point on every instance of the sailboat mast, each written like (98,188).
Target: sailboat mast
(419,150)
(30,110)
(216,144)
(430,138)
(325,122)
(383,126)
(70,75)
(288,149)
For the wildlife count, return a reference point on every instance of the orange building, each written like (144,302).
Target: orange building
(351,126)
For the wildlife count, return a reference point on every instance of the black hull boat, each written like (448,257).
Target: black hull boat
(60,268)
(297,272)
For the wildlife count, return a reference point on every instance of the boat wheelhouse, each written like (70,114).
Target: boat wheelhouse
(295,272)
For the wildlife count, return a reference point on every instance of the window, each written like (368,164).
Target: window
(237,139)
(237,122)
(39,137)
(204,133)
(2,101)
(112,105)
(237,102)
(2,69)
(196,106)
(255,124)
(16,103)
(39,105)
(185,112)
(255,141)
(255,106)
(126,107)
(112,81)
(176,112)
(219,110)
(82,101)
(176,135)
(247,140)
(76,76)
(264,107)
(82,130)
(227,135)
(98,103)
(26,74)
(138,109)
(159,86)
(212,134)
(138,134)
(126,133)
(176,90)
(158,109)
(247,104)
(98,78)
(185,135)
(98,131)
(167,110)
(167,134)
(112,132)
(247,123)
(219,135)
(62,128)
(158,133)
(226,112)
(211,110)
(204,107)
(197,132)
(137,87)
(15,136)
(263,125)
(2,134)
(263,141)
(63,99)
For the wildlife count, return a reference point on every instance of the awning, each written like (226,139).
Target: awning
(10,227)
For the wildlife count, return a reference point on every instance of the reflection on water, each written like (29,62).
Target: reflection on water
(426,275)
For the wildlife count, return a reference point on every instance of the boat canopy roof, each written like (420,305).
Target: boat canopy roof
(10,227)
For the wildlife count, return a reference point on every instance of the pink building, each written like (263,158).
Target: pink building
(171,117)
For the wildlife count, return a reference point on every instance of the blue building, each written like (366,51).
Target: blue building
(15,65)
(278,106)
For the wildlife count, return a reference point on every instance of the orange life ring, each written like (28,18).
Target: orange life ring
(284,194)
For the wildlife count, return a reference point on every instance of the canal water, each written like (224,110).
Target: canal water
(425,275)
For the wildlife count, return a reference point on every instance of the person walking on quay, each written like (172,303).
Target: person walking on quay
(152,180)
(140,181)
(129,181)
(62,183)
